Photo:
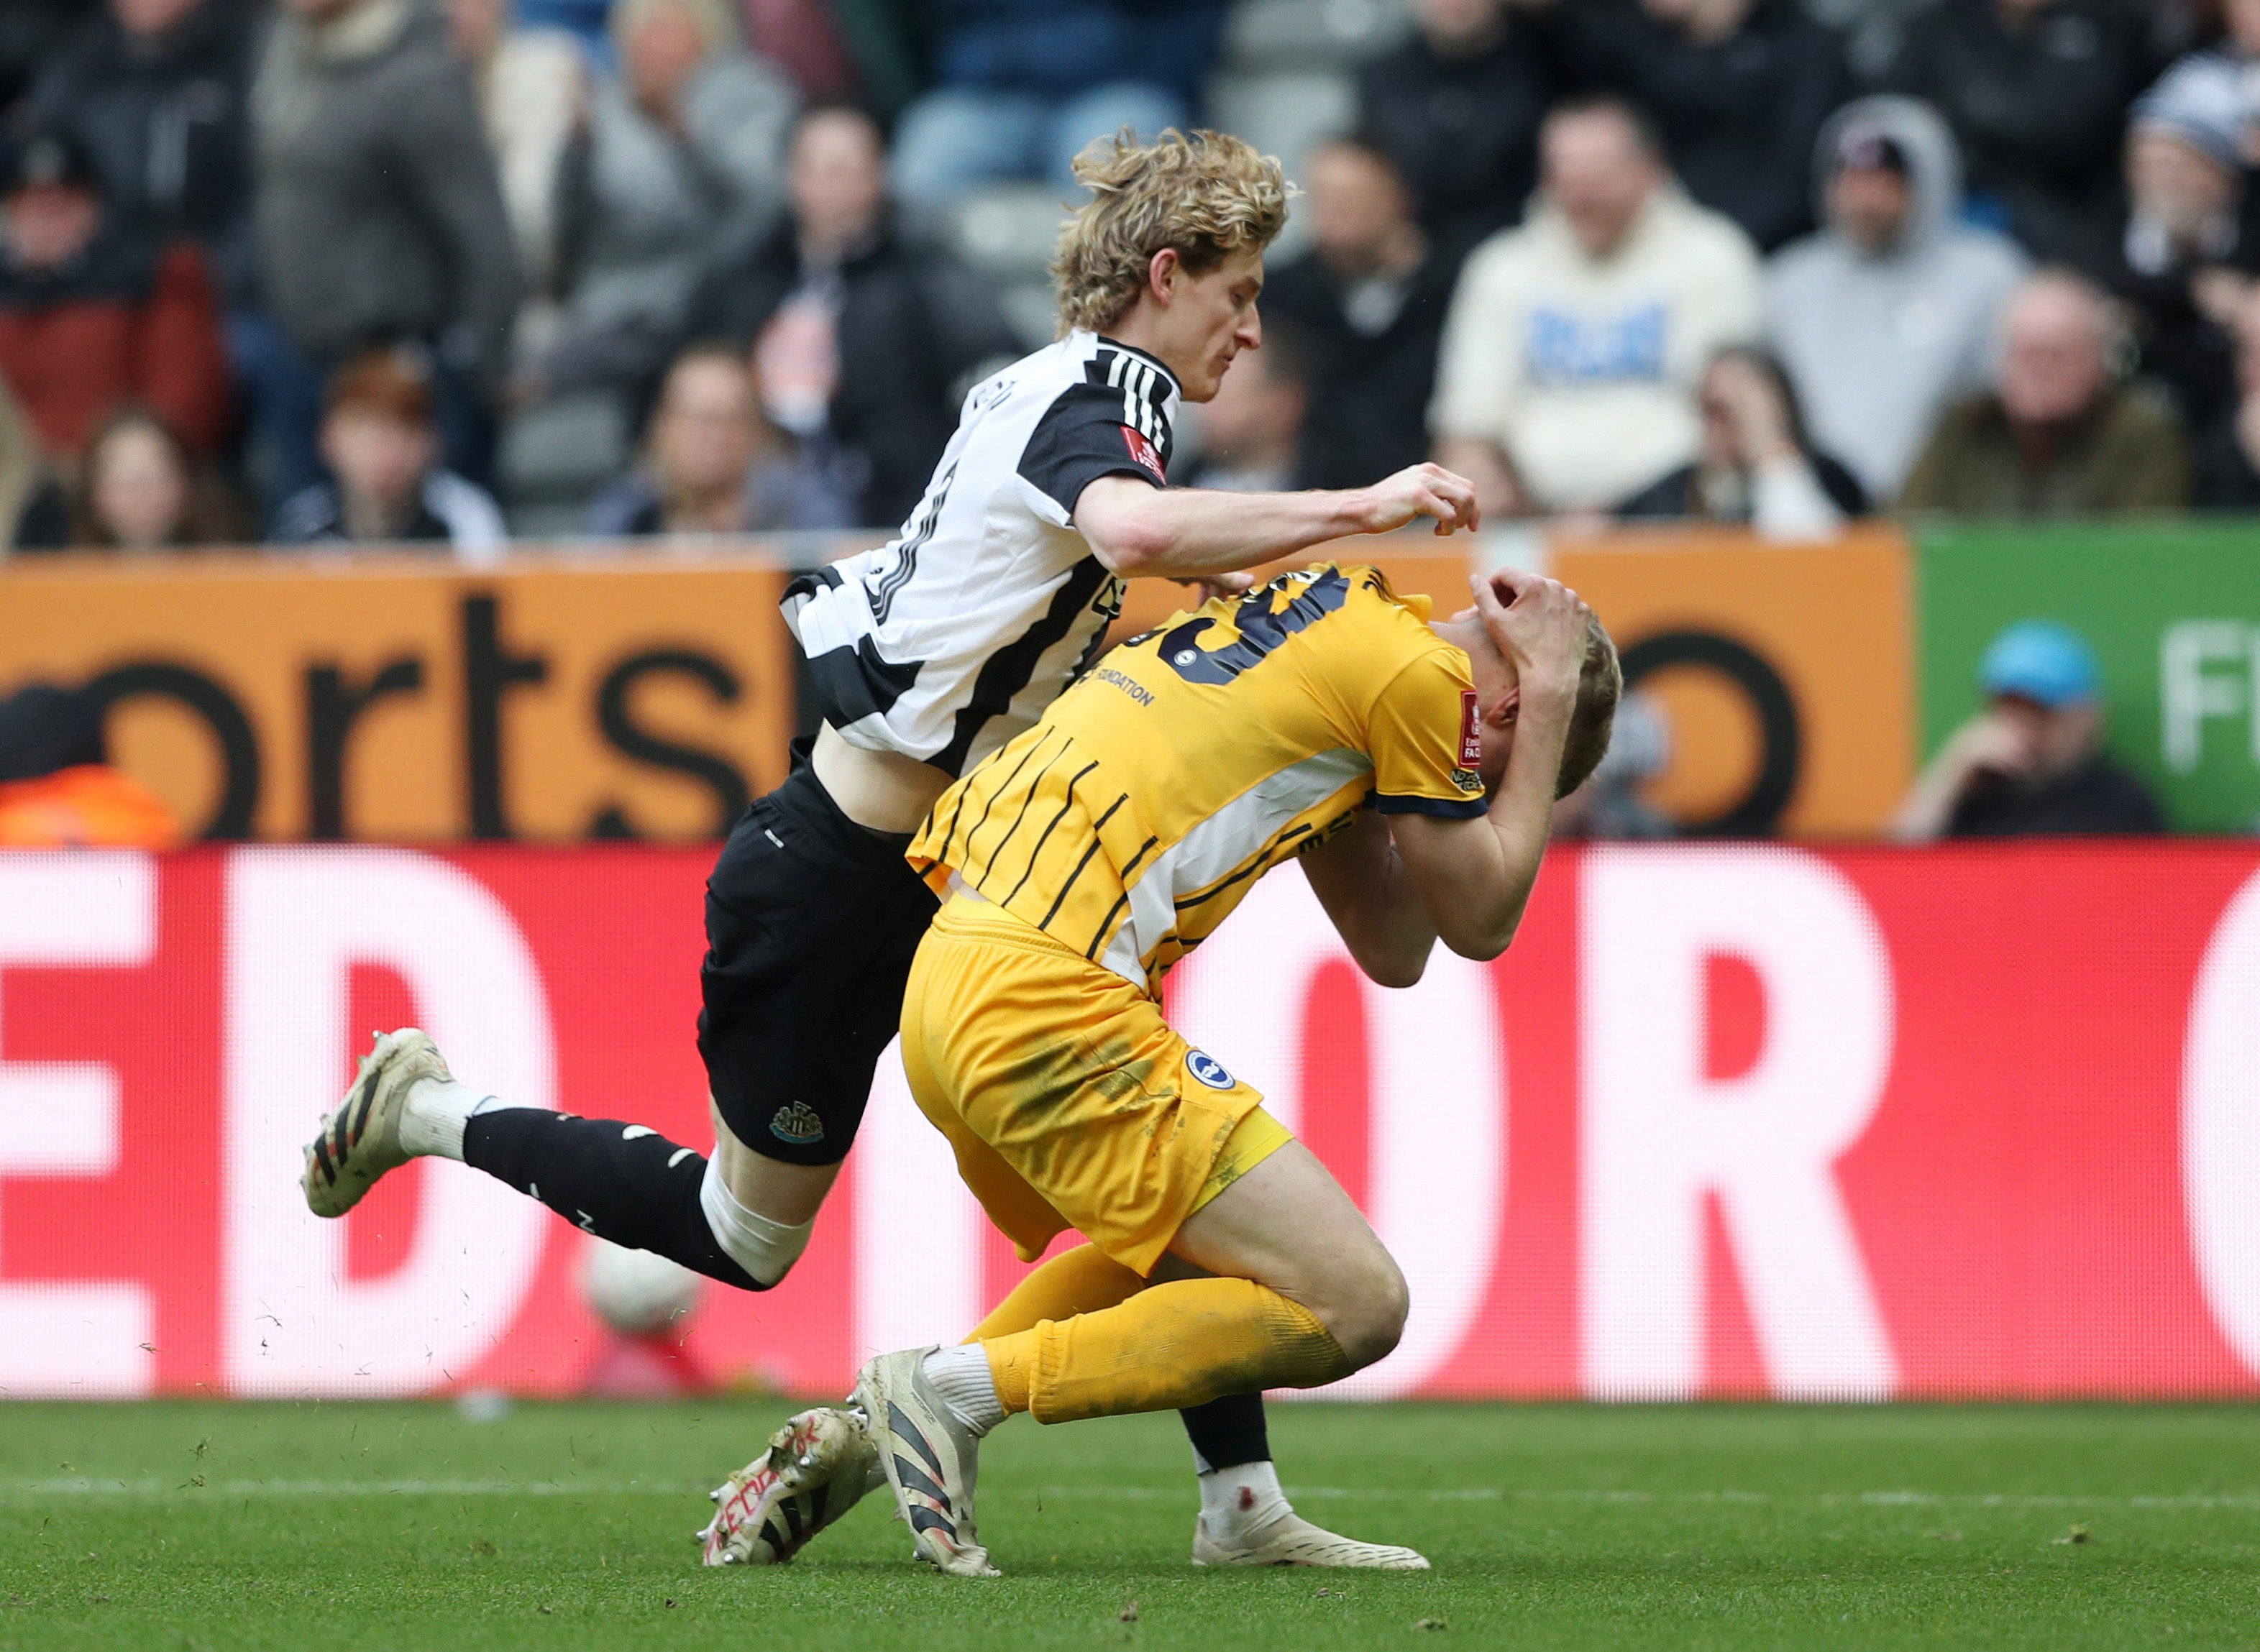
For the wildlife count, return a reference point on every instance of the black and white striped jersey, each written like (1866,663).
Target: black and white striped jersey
(948,642)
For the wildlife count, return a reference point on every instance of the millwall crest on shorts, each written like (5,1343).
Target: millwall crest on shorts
(796,1122)
(1206,1067)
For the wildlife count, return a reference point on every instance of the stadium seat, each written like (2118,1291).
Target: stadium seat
(556,456)
(1282,35)
(1007,231)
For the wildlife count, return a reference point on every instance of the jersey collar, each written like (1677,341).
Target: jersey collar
(1147,356)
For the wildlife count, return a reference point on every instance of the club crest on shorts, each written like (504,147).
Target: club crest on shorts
(1209,1070)
(796,1122)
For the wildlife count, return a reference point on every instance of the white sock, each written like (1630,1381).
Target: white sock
(432,1120)
(961,1376)
(1238,1501)
(765,1249)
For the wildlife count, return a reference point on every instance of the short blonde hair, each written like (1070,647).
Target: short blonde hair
(1600,683)
(1207,194)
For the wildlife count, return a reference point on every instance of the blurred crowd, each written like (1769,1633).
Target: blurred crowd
(375,270)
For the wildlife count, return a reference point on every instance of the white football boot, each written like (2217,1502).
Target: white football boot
(819,1465)
(929,1459)
(360,1140)
(1292,1541)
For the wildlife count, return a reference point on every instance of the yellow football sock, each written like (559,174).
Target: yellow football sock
(1170,1347)
(1079,1281)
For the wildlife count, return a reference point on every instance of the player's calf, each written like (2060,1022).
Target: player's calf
(619,1181)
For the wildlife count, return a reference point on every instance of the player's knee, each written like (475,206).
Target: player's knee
(1368,1315)
(764,1249)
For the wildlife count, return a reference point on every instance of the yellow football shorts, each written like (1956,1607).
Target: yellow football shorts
(1068,1101)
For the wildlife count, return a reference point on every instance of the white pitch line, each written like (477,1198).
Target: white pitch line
(20,1492)
(32,1490)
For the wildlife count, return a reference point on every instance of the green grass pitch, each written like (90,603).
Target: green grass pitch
(331,1526)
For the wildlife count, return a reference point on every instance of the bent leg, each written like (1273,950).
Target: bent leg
(1304,1295)
(811,922)
(1172,1346)
(621,1182)
(1288,1224)
(1227,1433)
(1083,1280)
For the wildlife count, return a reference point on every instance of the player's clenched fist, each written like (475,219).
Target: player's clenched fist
(1540,624)
(1420,491)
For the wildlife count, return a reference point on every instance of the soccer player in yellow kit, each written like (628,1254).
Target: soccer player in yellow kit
(1088,855)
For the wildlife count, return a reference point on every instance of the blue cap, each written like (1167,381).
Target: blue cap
(2041,660)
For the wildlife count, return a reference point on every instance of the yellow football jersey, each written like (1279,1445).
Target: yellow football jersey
(1131,820)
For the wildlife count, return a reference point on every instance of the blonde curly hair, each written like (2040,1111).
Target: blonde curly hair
(1207,194)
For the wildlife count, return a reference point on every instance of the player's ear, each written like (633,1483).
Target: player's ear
(1161,272)
(1501,713)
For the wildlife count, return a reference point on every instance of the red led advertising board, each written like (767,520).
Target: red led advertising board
(1727,1119)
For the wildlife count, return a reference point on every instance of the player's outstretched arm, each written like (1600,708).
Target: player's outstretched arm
(1360,880)
(1138,530)
(1475,876)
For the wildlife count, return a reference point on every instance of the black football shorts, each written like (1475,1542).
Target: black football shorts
(811,922)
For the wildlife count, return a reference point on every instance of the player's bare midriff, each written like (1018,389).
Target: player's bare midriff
(882,792)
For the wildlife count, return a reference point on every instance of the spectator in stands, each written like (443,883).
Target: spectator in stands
(532,85)
(1569,361)
(381,443)
(2061,433)
(2227,461)
(2179,260)
(1458,106)
(2032,763)
(1368,301)
(1025,84)
(1894,310)
(140,490)
(682,156)
(1757,465)
(2036,91)
(158,91)
(1739,89)
(32,35)
(864,349)
(34,510)
(379,218)
(1251,435)
(713,463)
(93,312)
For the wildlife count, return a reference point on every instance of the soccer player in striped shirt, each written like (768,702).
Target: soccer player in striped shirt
(926,656)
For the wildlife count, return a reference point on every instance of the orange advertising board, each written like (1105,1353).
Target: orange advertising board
(1784,673)
(295,696)
(573,695)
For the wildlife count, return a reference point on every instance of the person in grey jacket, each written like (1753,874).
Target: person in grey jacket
(379,215)
(1893,310)
(683,155)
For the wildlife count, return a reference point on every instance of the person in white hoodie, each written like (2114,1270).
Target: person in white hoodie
(1894,310)
(1571,353)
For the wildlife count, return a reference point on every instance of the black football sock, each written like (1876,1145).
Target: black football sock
(1228,1432)
(621,1182)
